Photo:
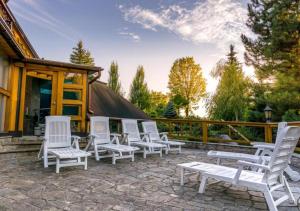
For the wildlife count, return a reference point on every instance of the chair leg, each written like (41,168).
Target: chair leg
(203,184)
(289,192)
(132,158)
(160,153)
(96,152)
(182,177)
(114,159)
(270,200)
(45,160)
(57,165)
(145,152)
(218,161)
(179,149)
(85,163)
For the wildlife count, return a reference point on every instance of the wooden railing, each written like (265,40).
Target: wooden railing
(209,130)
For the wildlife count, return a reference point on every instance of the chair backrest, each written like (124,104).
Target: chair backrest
(99,128)
(282,153)
(130,127)
(150,127)
(280,127)
(58,131)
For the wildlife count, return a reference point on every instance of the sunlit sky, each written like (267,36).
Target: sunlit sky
(149,33)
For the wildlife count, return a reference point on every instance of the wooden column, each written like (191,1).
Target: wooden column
(22,100)
(204,132)
(268,133)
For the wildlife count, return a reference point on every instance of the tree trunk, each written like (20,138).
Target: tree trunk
(187,111)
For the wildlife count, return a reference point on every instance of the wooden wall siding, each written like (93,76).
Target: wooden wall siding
(16,33)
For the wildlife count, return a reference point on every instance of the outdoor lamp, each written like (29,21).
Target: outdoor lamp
(268,113)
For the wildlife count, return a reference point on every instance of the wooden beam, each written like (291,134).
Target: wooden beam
(72,102)
(73,86)
(84,102)
(22,100)
(4,92)
(60,91)
(13,100)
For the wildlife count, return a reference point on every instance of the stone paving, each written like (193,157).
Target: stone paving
(146,184)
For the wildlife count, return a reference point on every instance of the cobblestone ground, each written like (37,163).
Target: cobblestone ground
(146,184)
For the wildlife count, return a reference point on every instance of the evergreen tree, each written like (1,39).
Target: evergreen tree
(229,101)
(113,80)
(139,92)
(170,111)
(275,51)
(186,80)
(80,55)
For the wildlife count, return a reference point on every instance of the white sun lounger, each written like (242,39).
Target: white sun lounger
(58,145)
(150,128)
(264,150)
(101,141)
(266,181)
(142,140)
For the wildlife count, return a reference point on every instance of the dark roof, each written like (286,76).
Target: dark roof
(62,64)
(105,102)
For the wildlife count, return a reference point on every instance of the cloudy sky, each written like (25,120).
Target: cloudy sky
(149,33)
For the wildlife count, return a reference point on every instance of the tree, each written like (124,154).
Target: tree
(179,102)
(229,100)
(80,55)
(158,102)
(275,50)
(113,80)
(139,92)
(170,111)
(186,80)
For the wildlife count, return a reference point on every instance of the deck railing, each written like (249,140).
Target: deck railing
(211,130)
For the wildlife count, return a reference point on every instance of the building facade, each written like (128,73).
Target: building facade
(32,88)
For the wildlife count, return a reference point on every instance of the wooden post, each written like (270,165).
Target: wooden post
(268,133)
(204,132)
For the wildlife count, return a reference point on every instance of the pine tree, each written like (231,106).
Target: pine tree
(275,50)
(113,80)
(80,55)
(230,98)
(139,92)
(186,80)
(170,111)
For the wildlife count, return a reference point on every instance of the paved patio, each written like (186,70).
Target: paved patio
(146,184)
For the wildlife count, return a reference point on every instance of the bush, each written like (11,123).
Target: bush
(291,115)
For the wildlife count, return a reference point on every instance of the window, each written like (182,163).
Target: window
(73,78)
(2,112)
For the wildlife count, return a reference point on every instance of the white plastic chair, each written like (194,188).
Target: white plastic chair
(101,140)
(58,144)
(270,179)
(142,140)
(264,150)
(150,128)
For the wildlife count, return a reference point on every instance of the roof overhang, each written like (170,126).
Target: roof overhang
(61,64)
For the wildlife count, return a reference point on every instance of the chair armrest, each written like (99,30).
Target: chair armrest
(249,164)
(242,164)
(163,133)
(264,146)
(75,142)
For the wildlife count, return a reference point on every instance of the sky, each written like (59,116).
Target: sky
(152,33)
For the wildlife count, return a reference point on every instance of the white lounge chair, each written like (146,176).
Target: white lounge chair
(150,128)
(58,144)
(267,181)
(101,141)
(142,140)
(263,150)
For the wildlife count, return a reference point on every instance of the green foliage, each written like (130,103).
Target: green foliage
(158,102)
(170,111)
(179,102)
(275,51)
(186,80)
(80,55)
(291,115)
(114,79)
(230,100)
(139,93)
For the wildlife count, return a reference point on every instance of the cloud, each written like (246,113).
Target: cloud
(218,22)
(32,11)
(131,35)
